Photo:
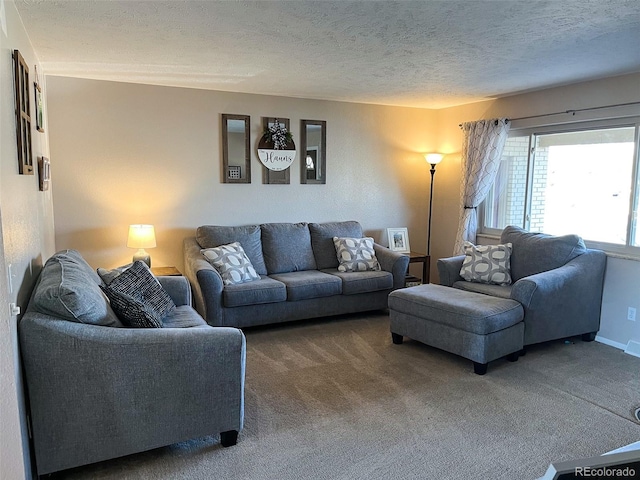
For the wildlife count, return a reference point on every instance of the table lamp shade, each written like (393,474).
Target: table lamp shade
(141,236)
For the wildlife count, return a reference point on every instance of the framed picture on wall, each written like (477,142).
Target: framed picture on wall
(398,240)
(39,108)
(44,172)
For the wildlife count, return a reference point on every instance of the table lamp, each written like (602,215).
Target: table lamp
(141,237)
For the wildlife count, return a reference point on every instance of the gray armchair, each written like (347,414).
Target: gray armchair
(98,392)
(557,280)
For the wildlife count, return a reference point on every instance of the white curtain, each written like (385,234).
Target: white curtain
(481,151)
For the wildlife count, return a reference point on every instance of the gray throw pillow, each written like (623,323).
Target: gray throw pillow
(356,254)
(68,289)
(137,297)
(488,264)
(108,275)
(232,263)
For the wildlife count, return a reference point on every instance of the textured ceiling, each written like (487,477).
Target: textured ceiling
(430,53)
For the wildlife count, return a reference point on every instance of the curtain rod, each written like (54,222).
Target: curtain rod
(572,112)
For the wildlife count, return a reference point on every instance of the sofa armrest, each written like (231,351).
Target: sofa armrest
(449,270)
(394,262)
(565,301)
(206,283)
(134,389)
(178,289)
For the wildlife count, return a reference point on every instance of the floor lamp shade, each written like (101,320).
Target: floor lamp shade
(141,237)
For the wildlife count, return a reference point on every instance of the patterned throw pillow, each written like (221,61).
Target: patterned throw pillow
(232,263)
(356,254)
(487,263)
(137,297)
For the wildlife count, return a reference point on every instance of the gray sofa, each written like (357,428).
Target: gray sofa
(556,279)
(97,390)
(299,278)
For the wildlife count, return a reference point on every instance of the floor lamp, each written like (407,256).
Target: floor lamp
(433,159)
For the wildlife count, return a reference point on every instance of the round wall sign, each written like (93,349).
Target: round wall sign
(276,160)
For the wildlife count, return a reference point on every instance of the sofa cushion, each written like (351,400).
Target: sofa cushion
(537,252)
(502,291)
(232,263)
(355,254)
(138,298)
(210,236)
(184,316)
(487,263)
(68,289)
(309,284)
(287,247)
(265,290)
(322,235)
(363,282)
(81,263)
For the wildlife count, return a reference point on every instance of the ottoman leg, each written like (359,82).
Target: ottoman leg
(229,438)
(513,357)
(479,368)
(396,338)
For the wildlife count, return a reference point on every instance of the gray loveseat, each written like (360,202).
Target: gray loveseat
(299,278)
(97,390)
(556,279)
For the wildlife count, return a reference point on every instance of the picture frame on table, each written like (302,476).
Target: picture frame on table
(398,240)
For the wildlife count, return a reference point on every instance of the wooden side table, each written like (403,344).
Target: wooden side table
(415,257)
(165,271)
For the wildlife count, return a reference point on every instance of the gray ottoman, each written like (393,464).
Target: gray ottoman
(479,327)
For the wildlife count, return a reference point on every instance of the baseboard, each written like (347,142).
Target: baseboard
(611,343)
(633,348)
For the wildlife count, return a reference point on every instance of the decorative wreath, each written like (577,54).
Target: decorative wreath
(277,137)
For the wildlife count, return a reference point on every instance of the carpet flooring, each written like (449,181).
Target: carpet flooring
(335,399)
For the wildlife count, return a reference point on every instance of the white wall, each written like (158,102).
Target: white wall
(126,153)
(26,219)
(622,276)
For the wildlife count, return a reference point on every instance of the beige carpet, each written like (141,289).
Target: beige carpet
(335,399)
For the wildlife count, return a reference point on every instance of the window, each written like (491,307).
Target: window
(572,179)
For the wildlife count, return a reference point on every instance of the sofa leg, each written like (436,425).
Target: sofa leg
(589,337)
(479,368)
(396,338)
(229,438)
(513,357)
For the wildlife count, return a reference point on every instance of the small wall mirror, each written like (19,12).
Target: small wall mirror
(313,138)
(236,155)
